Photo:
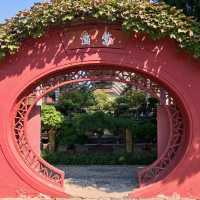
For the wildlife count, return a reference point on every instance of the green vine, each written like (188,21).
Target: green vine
(158,20)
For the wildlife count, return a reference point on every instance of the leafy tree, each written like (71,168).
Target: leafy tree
(145,131)
(51,122)
(75,101)
(103,101)
(96,121)
(70,133)
(98,115)
(130,100)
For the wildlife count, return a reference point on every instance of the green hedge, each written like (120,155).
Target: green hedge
(100,159)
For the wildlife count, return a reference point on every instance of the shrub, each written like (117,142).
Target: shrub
(99,158)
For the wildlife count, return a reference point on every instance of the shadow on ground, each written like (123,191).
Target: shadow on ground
(100,181)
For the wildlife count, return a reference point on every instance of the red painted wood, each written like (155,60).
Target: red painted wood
(161,59)
(163,128)
(34,129)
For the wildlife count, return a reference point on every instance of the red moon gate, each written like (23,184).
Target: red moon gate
(93,52)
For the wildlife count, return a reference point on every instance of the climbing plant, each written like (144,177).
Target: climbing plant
(157,20)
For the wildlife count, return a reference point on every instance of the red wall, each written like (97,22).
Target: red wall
(163,128)
(161,59)
(11,185)
(34,129)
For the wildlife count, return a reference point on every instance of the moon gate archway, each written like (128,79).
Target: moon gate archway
(61,57)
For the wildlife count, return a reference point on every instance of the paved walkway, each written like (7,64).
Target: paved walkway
(100,182)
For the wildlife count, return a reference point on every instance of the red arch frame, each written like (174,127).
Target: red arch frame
(155,86)
(159,60)
(151,173)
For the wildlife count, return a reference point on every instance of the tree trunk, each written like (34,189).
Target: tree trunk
(129,141)
(52,142)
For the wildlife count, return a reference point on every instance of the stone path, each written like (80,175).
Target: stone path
(100,182)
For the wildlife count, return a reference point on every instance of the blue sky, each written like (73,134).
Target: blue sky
(9,8)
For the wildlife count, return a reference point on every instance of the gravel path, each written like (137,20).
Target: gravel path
(100,182)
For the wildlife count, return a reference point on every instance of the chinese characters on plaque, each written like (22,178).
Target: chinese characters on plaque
(85,38)
(107,39)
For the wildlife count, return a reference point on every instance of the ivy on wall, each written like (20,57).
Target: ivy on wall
(158,20)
